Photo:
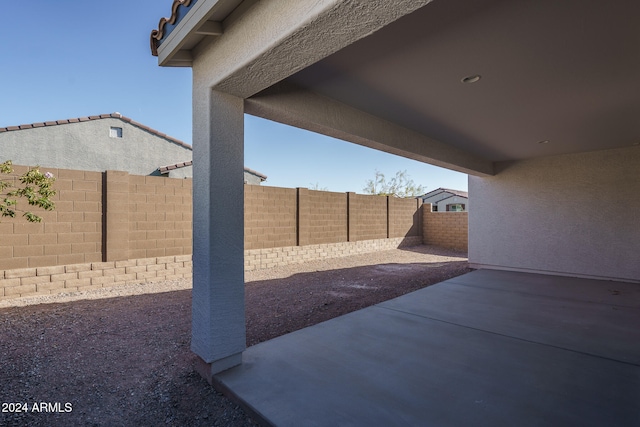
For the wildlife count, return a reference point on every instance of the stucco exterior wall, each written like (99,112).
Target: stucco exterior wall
(187,172)
(442,204)
(88,146)
(251,179)
(181,173)
(573,214)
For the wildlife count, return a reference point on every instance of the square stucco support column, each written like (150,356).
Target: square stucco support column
(218,322)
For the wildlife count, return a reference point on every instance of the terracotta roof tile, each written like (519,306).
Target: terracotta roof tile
(157,35)
(165,169)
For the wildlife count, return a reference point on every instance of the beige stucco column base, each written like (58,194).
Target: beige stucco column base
(208,370)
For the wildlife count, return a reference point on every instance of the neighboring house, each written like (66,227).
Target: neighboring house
(447,200)
(185,170)
(99,143)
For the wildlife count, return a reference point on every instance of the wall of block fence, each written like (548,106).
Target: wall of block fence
(285,225)
(70,234)
(284,217)
(445,229)
(112,228)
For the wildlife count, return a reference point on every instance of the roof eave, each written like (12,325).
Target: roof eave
(203,19)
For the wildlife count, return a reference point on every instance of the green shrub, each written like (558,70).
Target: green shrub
(33,186)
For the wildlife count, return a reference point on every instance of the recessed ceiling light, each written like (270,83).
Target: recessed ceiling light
(546,141)
(471,79)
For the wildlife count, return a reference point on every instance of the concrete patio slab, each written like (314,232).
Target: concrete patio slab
(558,287)
(605,329)
(469,351)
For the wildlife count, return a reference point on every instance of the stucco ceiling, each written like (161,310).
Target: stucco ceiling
(566,72)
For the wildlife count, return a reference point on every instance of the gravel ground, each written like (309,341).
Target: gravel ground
(120,357)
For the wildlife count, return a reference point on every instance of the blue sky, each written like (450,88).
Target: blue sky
(62,59)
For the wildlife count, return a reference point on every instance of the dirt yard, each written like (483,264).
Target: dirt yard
(120,357)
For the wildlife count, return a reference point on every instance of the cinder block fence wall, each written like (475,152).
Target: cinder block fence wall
(107,229)
(446,229)
(114,228)
(285,225)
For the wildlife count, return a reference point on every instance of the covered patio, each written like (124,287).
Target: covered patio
(537,101)
(487,348)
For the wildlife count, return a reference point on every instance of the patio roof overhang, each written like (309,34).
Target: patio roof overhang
(554,77)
